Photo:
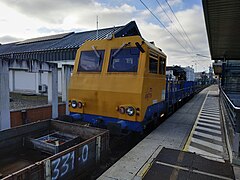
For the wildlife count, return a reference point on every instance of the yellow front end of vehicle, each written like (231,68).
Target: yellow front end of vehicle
(110,79)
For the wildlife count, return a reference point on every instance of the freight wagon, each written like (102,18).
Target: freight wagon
(51,149)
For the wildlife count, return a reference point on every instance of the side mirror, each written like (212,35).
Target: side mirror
(140,47)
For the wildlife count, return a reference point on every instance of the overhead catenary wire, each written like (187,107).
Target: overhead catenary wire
(193,57)
(181,34)
(164,26)
(180,25)
(171,9)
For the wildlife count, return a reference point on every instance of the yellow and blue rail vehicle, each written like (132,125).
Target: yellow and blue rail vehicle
(119,83)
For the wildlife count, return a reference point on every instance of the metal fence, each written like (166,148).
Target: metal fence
(231,76)
(231,114)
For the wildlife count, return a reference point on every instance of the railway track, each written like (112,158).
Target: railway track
(119,146)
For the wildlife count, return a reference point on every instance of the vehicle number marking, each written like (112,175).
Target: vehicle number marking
(65,164)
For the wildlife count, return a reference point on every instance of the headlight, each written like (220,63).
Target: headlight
(122,110)
(80,104)
(130,111)
(74,104)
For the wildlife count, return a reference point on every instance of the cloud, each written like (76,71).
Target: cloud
(174,2)
(107,16)
(57,11)
(194,28)
(7,39)
(44,17)
(45,30)
(53,11)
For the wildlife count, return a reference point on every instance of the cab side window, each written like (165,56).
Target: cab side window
(91,61)
(153,65)
(162,65)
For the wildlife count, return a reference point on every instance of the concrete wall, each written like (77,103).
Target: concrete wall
(25,81)
(22,80)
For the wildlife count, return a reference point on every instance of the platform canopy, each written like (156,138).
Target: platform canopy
(222,18)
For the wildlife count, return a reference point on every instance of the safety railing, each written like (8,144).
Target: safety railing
(231,114)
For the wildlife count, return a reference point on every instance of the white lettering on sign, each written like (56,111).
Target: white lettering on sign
(64,164)
(55,165)
(85,153)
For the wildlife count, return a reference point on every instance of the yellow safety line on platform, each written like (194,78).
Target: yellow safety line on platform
(145,170)
(175,171)
(186,146)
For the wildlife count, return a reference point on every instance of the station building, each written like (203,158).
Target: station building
(59,48)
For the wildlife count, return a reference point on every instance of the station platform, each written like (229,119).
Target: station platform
(193,134)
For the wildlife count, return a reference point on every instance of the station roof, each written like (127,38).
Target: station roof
(65,41)
(222,18)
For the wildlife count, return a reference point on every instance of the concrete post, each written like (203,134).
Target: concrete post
(53,90)
(4,96)
(12,80)
(49,91)
(63,84)
(66,73)
(37,74)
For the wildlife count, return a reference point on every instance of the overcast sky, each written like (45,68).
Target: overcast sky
(24,19)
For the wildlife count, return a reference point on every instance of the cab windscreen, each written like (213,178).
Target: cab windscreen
(125,60)
(91,61)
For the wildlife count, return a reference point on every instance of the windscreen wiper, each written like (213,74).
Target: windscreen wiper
(98,56)
(95,51)
(139,46)
(120,48)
